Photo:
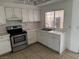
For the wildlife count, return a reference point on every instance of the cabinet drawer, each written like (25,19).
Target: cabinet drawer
(4,38)
(5,47)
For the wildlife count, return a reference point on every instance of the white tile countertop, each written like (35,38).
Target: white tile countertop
(54,32)
(2,34)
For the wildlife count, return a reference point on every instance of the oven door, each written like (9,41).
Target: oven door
(18,40)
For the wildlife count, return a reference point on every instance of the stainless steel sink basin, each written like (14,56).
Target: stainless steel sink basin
(47,29)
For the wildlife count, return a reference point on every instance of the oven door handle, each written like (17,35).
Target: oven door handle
(18,35)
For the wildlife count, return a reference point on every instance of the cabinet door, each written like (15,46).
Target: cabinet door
(36,15)
(17,13)
(42,37)
(25,15)
(31,14)
(9,12)
(5,47)
(32,36)
(2,16)
(54,44)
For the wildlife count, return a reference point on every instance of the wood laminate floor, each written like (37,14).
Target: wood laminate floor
(38,51)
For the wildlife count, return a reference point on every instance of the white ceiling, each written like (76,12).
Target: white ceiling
(33,2)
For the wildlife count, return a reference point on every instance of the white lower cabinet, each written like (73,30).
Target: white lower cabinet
(54,44)
(31,36)
(5,45)
(51,40)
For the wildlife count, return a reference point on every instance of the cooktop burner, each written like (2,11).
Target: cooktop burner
(18,33)
(15,30)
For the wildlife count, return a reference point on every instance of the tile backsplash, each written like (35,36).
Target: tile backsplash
(2,28)
(26,26)
(31,25)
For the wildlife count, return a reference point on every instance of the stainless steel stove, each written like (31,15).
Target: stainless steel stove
(18,37)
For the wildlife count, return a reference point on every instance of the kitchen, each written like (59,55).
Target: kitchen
(30,20)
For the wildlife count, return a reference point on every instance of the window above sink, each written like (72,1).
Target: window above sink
(54,20)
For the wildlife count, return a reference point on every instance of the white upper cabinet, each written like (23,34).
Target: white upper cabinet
(36,15)
(9,13)
(2,16)
(25,15)
(30,14)
(18,13)
(13,13)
